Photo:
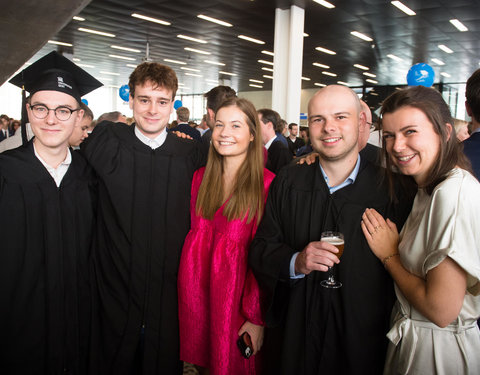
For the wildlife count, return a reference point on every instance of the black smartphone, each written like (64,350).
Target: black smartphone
(244,343)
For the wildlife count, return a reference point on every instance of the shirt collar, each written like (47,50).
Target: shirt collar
(348,181)
(269,143)
(153,143)
(59,172)
(477,130)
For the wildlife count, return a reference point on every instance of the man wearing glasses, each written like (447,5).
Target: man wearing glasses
(47,219)
(145,177)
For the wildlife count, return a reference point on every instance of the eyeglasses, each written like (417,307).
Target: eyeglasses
(40,111)
(372,126)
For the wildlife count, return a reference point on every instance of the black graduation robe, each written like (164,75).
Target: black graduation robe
(314,330)
(45,269)
(143,218)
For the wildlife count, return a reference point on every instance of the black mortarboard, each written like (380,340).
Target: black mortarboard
(57,73)
(54,72)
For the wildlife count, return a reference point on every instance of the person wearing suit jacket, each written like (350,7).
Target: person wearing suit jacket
(471,146)
(278,154)
(5,131)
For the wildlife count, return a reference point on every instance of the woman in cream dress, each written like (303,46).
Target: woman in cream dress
(435,261)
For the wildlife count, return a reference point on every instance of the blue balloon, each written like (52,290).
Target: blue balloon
(177,104)
(124,92)
(421,74)
(85,101)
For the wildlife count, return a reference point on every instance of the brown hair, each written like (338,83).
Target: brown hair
(431,103)
(217,95)
(183,114)
(247,196)
(269,115)
(160,76)
(472,94)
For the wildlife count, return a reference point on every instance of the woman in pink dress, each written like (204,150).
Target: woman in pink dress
(219,298)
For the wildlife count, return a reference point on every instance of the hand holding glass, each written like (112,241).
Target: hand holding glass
(335,239)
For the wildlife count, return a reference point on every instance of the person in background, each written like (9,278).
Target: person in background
(461,129)
(471,146)
(183,114)
(5,131)
(435,261)
(294,143)
(114,116)
(80,131)
(214,98)
(219,299)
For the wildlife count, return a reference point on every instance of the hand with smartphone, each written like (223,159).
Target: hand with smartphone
(250,340)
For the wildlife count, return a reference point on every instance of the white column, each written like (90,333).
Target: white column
(287,70)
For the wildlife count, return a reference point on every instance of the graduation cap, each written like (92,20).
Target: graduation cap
(53,72)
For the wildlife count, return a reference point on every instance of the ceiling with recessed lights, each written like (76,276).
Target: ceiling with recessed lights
(357,42)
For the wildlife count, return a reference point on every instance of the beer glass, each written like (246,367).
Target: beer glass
(336,239)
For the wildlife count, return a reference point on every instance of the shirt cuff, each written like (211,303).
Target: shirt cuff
(294,275)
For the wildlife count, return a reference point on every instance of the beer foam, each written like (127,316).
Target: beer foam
(334,240)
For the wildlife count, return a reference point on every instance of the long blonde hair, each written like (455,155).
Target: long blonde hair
(247,195)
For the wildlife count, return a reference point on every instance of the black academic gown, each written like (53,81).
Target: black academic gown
(45,269)
(314,330)
(144,200)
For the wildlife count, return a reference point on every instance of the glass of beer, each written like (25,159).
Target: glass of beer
(336,239)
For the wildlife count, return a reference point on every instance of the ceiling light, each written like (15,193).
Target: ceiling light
(460,26)
(175,61)
(268,53)
(212,81)
(265,62)
(373,93)
(260,87)
(76,59)
(271,70)
(85,66)
(132,65)
(250,39)
(361,36)
(227,73)
(122,57)
(105,79)
(403,8)
(321,65)
(151,19)
(324,3)
(114,86)
(60,43)
(319,84)
(96,32)
(321,49)
(77,18)
(214,20)
(369,74)
(444,48)
(267,76)
(197,51)
(361,67)
(445,74)
(306,78)
(193,75)
(305,35)
(438,62)
(393,57)
(126,49)
(189,69)
(214,62)
(181,36)
(110,73)
(342,83)
(255,80)
(371,81)
(329,74)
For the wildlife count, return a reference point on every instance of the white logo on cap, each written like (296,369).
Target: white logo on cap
(62,84)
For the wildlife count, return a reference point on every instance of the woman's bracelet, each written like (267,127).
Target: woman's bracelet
(386,259)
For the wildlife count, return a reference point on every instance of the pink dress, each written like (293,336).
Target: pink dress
(216,291)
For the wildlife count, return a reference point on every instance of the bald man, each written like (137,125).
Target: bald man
(312,329)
